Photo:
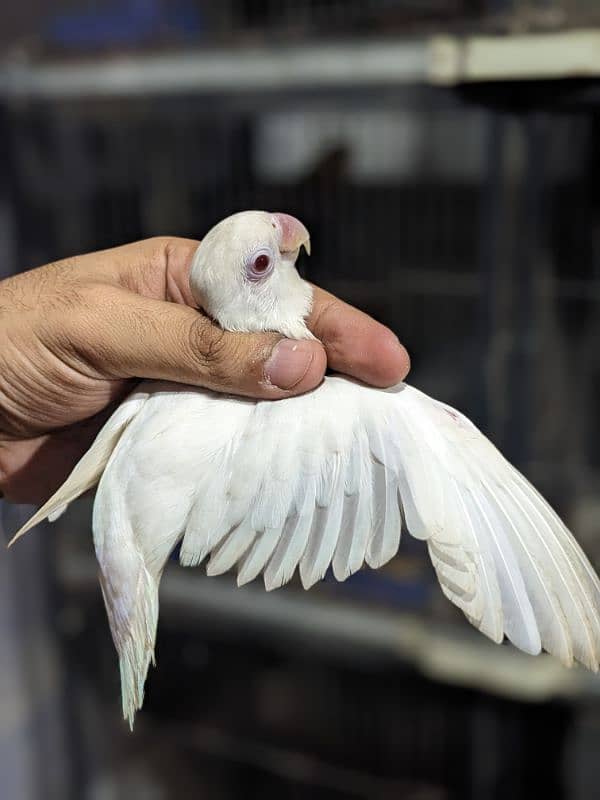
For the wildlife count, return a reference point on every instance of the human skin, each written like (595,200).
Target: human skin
(76,335)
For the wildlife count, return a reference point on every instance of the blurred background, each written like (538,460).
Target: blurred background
(444,155)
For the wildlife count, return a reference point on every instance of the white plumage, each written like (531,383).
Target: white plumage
(327,478)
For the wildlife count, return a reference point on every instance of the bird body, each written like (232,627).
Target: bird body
(328,478)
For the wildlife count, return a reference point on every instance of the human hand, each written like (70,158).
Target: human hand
(77,334)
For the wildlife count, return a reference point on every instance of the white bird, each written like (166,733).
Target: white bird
(327,478)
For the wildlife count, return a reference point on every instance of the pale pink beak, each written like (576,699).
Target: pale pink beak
(293,233)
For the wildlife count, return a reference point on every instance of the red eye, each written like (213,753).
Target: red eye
(261,263)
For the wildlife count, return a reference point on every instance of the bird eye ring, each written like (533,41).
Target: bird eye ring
(259,265)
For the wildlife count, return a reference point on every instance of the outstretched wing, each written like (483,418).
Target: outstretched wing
(326,478)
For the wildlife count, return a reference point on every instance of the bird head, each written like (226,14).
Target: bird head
(244,274)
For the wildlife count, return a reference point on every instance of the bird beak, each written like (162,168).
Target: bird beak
(293,234)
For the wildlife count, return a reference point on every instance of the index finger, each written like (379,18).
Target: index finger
(355,343)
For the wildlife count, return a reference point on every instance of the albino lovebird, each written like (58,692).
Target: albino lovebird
(328,478)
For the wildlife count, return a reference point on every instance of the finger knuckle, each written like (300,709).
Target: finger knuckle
(322,315)
(212,350)
(162,249)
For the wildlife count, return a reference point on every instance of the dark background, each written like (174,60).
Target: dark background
(466,217)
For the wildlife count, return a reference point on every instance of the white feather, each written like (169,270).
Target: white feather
(294,538)
(328,519)
(89,470)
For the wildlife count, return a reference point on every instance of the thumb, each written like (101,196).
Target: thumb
(133,336)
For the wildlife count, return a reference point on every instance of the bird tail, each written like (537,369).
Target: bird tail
(133,619)
(88,471)
(129,583)
(132,542)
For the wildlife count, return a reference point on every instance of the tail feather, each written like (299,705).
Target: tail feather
(129,589)
(134,636)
